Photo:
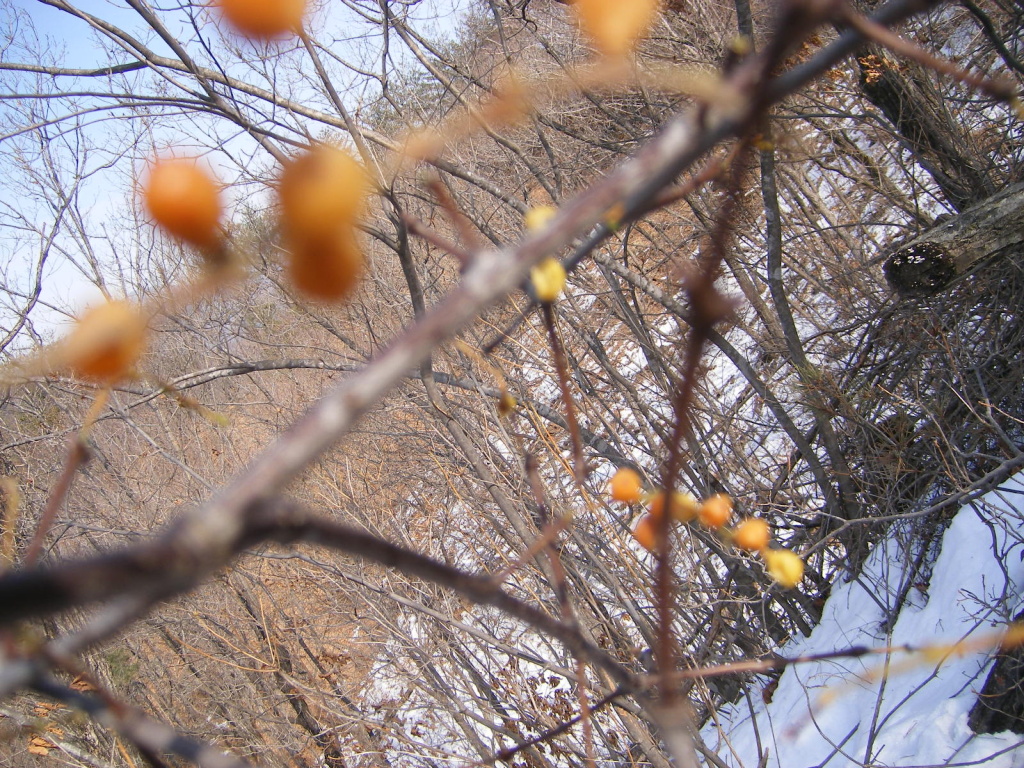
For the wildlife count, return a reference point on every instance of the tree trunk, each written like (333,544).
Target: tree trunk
(905,95)
(933,260)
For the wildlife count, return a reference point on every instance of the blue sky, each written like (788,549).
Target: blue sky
(106,198)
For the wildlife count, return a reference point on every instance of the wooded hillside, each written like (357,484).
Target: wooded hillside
(377,530)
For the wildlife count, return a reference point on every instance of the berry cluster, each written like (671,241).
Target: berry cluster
(750,535)
(321,195)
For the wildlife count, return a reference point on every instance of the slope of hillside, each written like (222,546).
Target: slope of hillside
(899,708)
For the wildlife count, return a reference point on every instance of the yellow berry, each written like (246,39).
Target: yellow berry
(716,510)
(626,486)
(106,343)
(752,535)
(184,200)
(785,567)
(646,532)
(538,217)
(615,25)
(548,280)
(684,506)
(506,404)
(263,18)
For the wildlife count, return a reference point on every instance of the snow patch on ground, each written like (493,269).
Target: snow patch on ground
(896,708)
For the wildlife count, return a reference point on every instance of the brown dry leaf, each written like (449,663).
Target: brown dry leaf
(81,684)
(43,708)
(40,746)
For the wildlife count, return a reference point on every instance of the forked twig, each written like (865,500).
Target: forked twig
(605,229)
(165,567)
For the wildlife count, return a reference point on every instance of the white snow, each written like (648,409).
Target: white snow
(898,708)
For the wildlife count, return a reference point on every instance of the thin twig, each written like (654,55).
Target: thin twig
(1011,637)
(564,603)
(78,454)
(470,239)
(558,730)
(418,228)
(708,308)
(562,370)
(149,736)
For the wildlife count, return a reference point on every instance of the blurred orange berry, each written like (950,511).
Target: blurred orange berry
(322,194)
(184,200)
(753,534)
(626,486)
(506,404)
(646,532)
(716,510)
(684,506)
(615,25)
(263,18)
(512,100)
(785,567)
(105,344)
(326,270)
(320,190)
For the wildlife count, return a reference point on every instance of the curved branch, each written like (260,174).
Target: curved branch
(176,562)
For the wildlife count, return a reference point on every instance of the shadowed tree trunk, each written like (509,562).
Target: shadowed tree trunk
(905,95)
(991,230)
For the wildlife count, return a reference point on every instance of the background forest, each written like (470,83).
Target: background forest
(444,581)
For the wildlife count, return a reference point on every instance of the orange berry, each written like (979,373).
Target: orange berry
(322,194)
(785,567)
(615,25)
(684,506)
(716,510)
(328,269)
(753,534)
(263,18)
(320,190)
(646,532)
(626,486)
(106,343)
(184,200)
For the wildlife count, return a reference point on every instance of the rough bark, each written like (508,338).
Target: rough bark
(905,95)
(990,230)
